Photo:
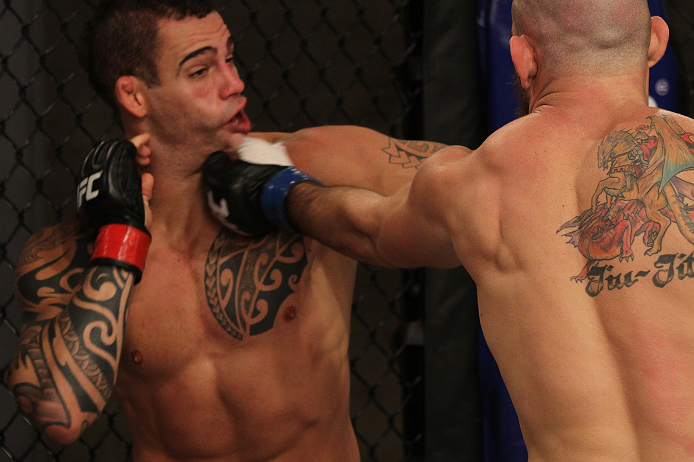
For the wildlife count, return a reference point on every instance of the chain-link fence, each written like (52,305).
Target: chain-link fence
(305,63)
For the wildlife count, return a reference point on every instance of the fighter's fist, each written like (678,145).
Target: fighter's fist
(248,198)
(110,188)
(109,196)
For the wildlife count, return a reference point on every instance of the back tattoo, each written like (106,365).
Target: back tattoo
(641,197)
(248,280)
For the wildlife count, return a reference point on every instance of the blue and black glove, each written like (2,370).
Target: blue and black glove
(250,199)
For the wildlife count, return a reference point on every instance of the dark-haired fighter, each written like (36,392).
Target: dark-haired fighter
(230,348)
(576,223)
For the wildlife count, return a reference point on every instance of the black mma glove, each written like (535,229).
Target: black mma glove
(247,198)
(109,196)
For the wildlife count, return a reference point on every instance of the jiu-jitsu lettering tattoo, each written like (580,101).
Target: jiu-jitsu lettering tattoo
(410,154)
(64,369)
(248,281)
(641,196)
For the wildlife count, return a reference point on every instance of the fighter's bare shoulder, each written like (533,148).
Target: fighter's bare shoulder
(687,123)
(451,169)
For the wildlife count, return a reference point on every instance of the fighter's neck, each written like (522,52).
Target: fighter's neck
(179,211)
(595,96)
(179,208)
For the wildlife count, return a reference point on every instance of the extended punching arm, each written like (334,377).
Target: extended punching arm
(253,199)
(405,229)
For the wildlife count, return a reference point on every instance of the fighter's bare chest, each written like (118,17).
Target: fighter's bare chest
(234,291)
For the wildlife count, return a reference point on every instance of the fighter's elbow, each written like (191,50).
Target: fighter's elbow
(62,432)
(51,417)
(62,435)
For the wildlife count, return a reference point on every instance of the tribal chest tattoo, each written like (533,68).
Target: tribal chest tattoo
(641,197)
(248,280)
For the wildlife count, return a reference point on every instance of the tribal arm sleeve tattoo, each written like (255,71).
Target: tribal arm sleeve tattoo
(64,368)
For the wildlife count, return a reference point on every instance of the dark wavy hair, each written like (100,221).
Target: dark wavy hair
(122,39)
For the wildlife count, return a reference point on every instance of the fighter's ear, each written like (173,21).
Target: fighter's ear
(130,95)
(523,57)
(660,33)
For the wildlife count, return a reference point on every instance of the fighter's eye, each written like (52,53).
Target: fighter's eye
(198,73)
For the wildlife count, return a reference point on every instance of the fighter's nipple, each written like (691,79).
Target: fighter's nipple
(137,356)
(290,313)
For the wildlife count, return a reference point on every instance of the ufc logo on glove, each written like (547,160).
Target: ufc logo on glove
(86,188)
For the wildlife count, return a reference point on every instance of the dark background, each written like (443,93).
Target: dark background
(410,69)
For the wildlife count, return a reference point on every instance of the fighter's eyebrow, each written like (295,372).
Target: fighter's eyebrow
(199,51)
(195,53)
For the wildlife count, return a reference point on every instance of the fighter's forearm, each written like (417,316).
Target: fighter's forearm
(349,220)
(75,292)
(64,369)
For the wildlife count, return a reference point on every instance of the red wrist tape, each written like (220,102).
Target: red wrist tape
(122,243)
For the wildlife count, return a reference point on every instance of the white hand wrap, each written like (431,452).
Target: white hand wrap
(258,151)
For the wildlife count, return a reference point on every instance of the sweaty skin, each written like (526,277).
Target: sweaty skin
(583,261)
(230,348)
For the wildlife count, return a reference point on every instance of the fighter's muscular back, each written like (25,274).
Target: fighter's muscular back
(583,264)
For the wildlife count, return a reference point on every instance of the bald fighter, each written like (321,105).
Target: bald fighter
(576,223)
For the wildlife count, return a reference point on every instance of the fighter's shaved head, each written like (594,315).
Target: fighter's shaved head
(596,36)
